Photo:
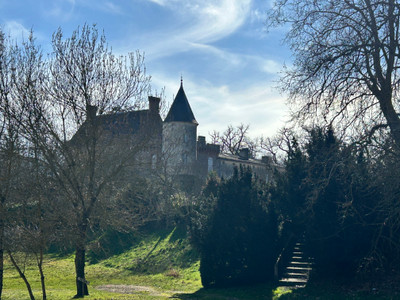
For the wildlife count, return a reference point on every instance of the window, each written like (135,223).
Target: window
(154,161)
(184,158)
(210,164)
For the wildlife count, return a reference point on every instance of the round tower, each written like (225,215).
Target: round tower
(179,136)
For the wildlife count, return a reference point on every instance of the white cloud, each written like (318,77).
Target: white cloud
(268,66)
(259,105)
(16,30)
(113,8)
(159,2)
(62,9)
(215,107)
(216,19)
(198,22)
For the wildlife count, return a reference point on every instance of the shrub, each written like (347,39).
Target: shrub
(238,240)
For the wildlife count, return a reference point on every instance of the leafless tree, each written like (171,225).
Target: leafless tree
(10,140)
(346,61)
(235,138)
(64,96)
(278,146)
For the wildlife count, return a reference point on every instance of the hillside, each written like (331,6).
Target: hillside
(161,265)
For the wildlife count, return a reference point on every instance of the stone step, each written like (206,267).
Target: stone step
(296,275)
(300,263)
(297,257)
(299,268)
(295,282)
(296,271)
(293,285)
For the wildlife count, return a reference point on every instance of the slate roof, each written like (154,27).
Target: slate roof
(124,123)
(180,110)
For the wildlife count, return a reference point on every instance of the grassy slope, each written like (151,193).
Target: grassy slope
(163,262)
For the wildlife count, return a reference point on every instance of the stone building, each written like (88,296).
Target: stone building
(179,137)
(172,145)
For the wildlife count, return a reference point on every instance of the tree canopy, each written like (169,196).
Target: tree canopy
(346,61)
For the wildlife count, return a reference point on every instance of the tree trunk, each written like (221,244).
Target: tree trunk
(22,275)
(1,267)
(81,284)
(390,114)
(40,266)
(1,256)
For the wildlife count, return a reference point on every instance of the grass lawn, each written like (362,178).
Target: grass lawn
(161,266)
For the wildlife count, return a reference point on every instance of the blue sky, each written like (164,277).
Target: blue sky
(228,61)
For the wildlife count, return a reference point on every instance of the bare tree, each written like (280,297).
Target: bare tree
(346,61)
(81,79)
(278,146)
(10,140)
(235,138)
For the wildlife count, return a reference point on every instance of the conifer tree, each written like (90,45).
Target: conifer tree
(239,245)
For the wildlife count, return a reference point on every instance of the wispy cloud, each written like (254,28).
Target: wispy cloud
(216,19)
(198,22)
(259,105)
(238,60)
(159,2)
(215,107)
(16,30)
(62,9)
(112,8)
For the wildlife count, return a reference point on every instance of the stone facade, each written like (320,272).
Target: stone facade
(172,146)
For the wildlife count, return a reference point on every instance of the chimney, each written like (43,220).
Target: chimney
(201,141)
(244,153)
(266,159)
(91,111)
(154,104)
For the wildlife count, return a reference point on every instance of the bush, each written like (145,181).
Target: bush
(238,239)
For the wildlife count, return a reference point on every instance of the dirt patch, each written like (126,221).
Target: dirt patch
(128,289)
(133,289)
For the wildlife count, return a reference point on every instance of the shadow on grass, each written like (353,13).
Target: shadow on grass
(257,292)
(171,249)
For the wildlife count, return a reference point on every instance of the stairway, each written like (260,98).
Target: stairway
(298,268)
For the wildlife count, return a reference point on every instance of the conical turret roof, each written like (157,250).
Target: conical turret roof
(180,110)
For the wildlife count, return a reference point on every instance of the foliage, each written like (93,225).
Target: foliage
(237,242)
(330,194)
(117,273)
(346,62)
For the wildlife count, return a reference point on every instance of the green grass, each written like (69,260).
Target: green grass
(161,266)
(164,262)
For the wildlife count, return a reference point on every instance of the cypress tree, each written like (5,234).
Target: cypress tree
(239,246)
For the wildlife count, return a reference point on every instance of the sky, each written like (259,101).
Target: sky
(229,63)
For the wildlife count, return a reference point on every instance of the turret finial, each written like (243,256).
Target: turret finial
(181,80)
